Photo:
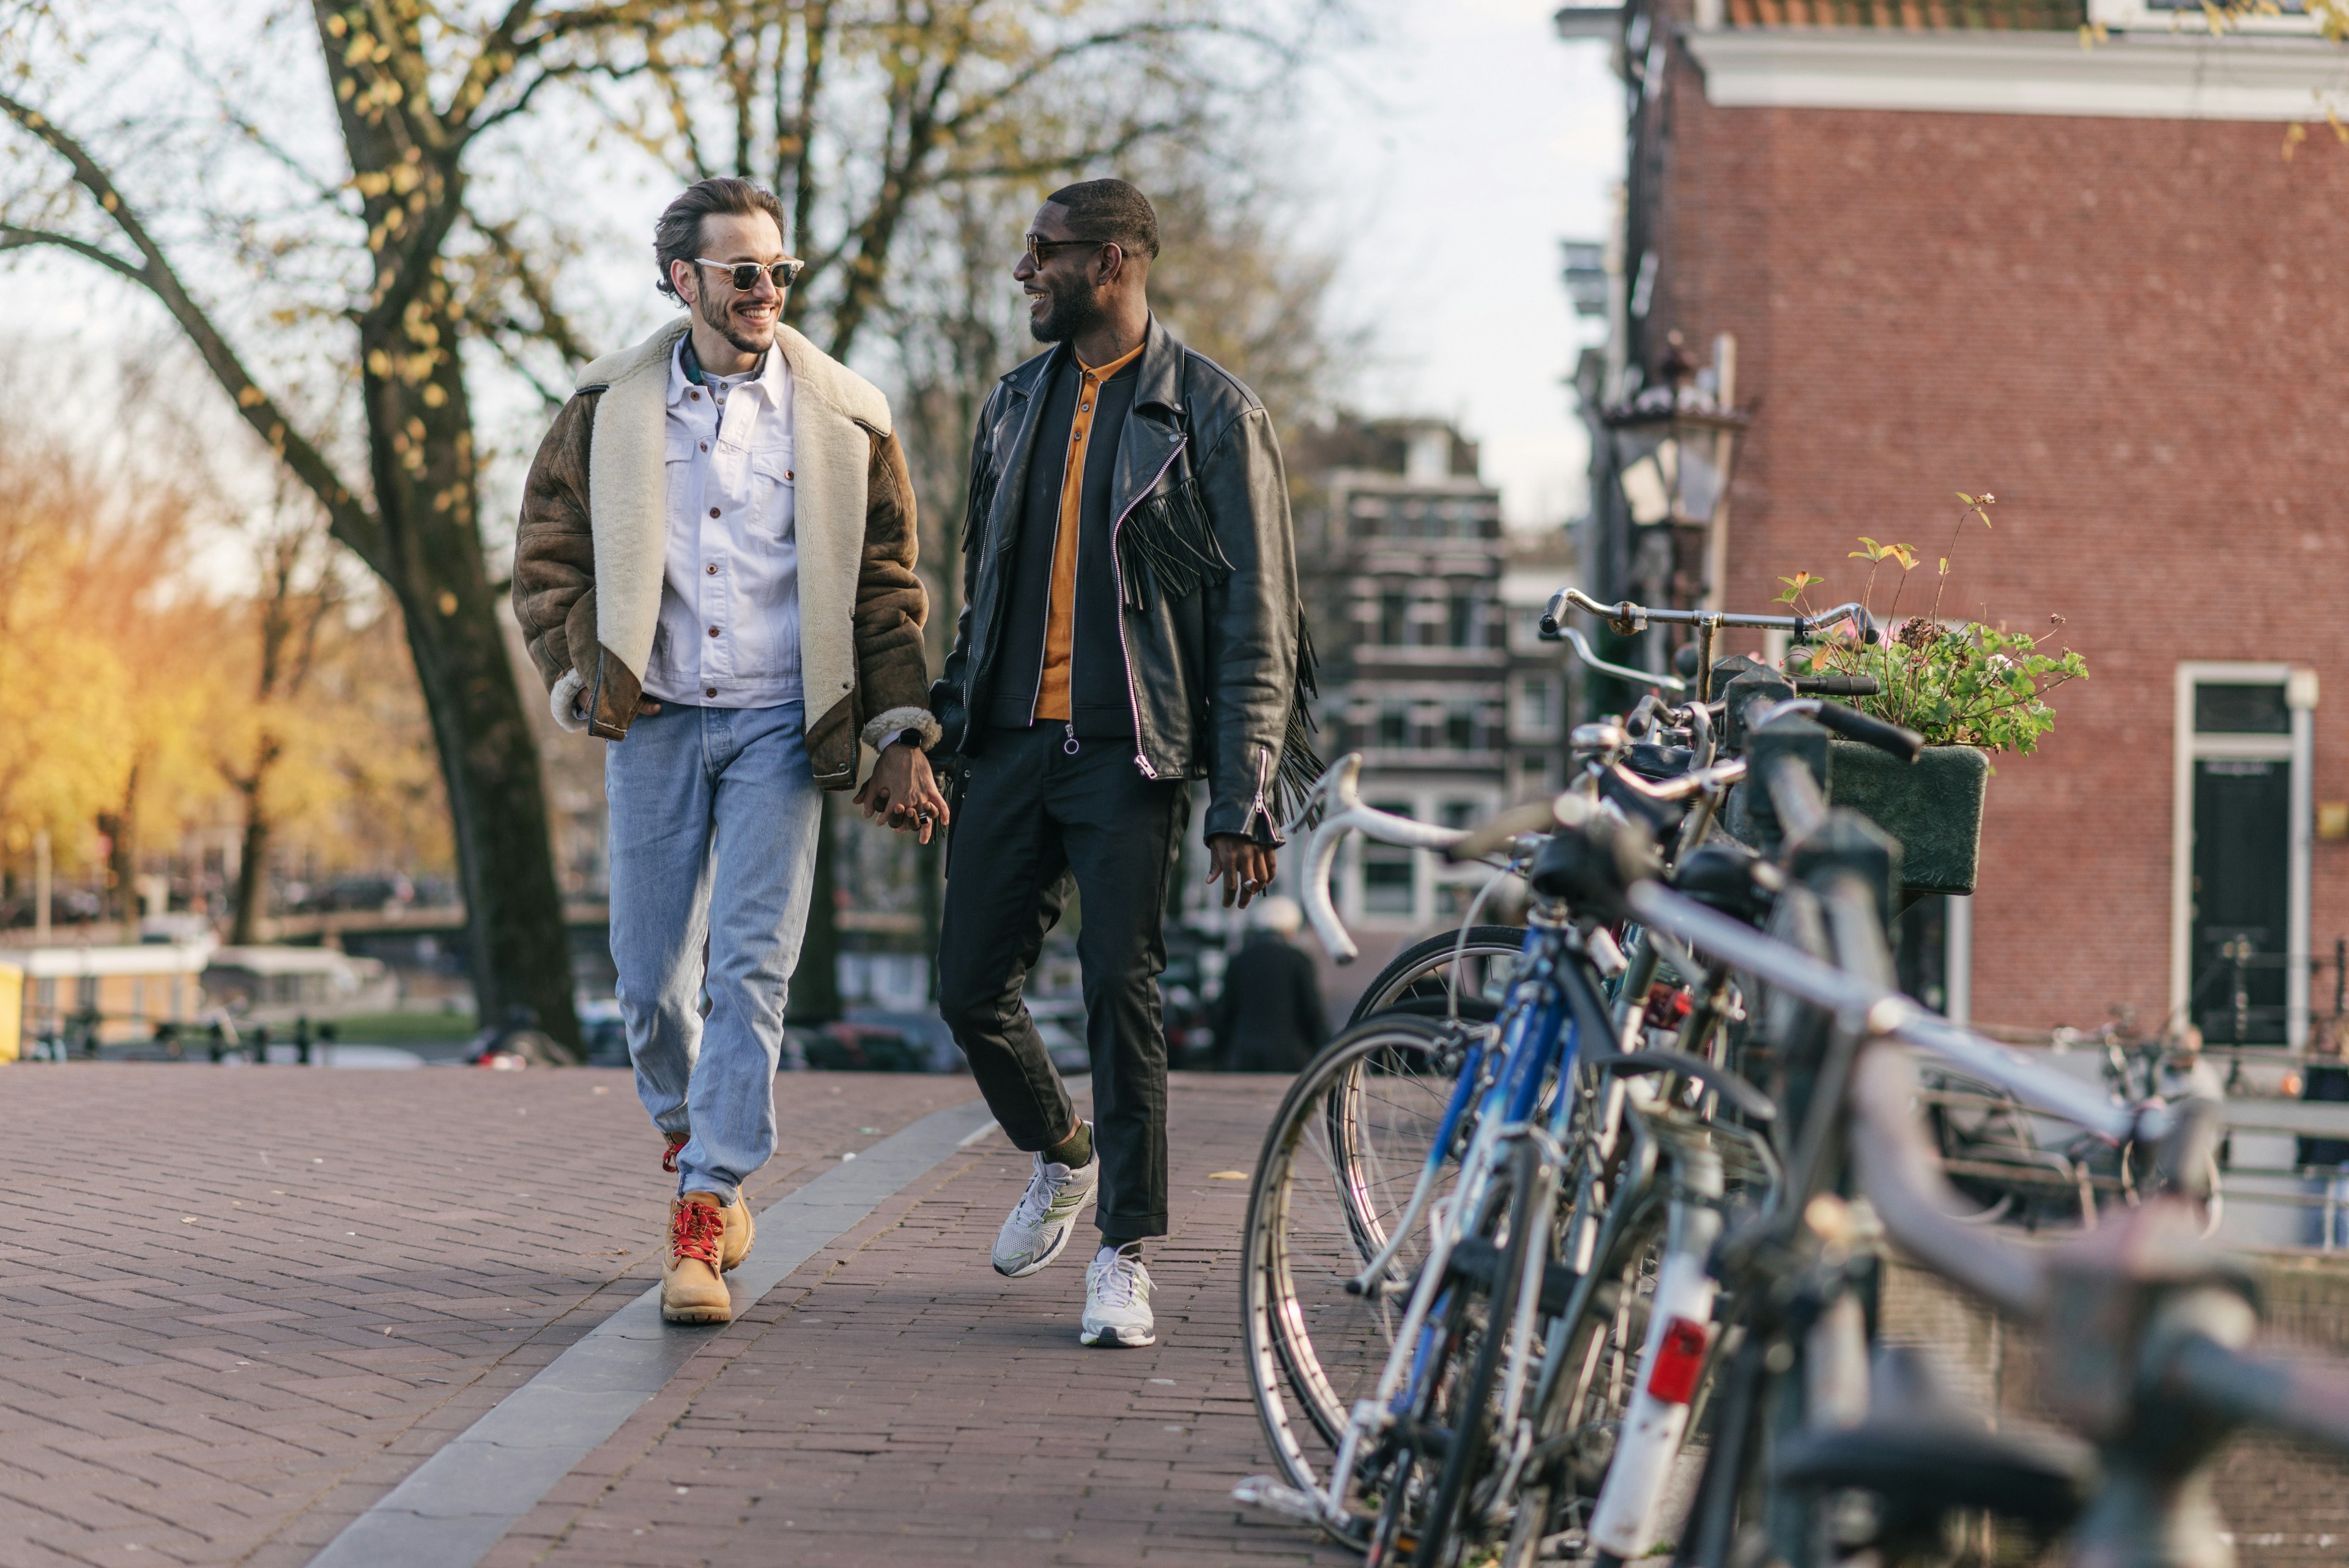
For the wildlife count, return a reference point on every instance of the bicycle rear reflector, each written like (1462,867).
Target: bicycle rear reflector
(1678,1359)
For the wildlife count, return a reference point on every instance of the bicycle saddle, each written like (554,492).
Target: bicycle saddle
(1657,762)
(1727,876)
(1662,816)
(1924,1454)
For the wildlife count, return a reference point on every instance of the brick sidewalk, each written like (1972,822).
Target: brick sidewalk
(237,1304)
(897,1401)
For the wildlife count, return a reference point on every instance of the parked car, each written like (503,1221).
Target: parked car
(853,1046)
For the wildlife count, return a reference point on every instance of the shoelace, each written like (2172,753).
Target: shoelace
(1120,1283)
(695,1231)
(1037,1201)
(675,1142)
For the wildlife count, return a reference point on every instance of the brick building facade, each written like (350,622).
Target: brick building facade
(2084,280)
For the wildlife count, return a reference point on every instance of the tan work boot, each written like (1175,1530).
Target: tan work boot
(741,1231)
(692,1290)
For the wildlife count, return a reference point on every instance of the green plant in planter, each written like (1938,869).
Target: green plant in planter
(1957,685)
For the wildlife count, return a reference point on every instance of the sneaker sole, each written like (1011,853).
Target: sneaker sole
(1040,1264)
(1117,1339)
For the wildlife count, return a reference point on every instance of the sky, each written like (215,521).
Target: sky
(1444,155)
(1466,142)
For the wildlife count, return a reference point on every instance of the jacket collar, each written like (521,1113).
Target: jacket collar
(1160,373)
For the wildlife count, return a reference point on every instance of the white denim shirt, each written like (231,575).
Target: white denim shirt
(729,615)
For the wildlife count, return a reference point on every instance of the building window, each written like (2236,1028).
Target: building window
(1460,621)
(1457,814)
(1387,871)
(1460,727)
(1394,618)
(1533,713)
(1534,776)
(1394,725)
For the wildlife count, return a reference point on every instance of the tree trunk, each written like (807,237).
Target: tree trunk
(420,429)
(517,944)
(252,872)
(122,856)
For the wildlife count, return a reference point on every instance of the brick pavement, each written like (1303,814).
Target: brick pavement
(897,1401)
(238,1304)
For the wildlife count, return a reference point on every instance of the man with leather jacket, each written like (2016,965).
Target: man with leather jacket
(1130,624)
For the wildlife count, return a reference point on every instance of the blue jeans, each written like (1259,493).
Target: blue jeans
(713,833)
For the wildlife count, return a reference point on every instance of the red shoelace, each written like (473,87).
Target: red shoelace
(695,1231)
(668,1160)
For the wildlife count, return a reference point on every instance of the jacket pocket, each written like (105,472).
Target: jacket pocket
(773,486)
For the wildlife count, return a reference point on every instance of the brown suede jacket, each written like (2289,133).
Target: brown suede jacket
(591,551)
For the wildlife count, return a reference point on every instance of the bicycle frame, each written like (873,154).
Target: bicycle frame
(1534,1053)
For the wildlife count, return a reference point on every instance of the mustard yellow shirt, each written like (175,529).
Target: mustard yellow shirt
(1061,604)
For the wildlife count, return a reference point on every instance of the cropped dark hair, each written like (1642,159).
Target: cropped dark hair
(678,237)
(1113,210)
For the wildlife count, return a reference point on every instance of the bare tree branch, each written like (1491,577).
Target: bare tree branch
(350,520)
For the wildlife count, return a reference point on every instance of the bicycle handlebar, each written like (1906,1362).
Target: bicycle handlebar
(1637,616)
(1339,790)
(1890,1014)
(1835,685)
(1849,722)
(2308,1401)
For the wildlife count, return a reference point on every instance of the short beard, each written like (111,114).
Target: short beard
(733,334)
(1075,311)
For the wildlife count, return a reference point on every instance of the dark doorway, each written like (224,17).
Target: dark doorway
(2242,898)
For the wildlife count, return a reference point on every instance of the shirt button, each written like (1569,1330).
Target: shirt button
(787,473)
(695,395)
(710,691)
(705,446)
(711,568)
(713,512)
(713,632)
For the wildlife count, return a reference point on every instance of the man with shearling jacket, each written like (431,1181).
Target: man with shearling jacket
(714,573)
(1130,624)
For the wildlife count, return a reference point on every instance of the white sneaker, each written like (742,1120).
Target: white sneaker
(1117,1301)
(1041,1226)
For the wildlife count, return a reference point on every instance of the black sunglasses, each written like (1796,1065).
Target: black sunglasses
(1037,246)
(744,276)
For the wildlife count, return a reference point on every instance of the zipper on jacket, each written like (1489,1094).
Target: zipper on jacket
(1263,768)
(1118,568)
(1068,746)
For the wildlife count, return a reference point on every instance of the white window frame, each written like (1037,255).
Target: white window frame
(1958,960)
(2135,15)
(2298,748)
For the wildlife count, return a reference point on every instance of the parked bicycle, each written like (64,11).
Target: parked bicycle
(1498,1266)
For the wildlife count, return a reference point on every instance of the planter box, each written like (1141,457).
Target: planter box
(1933,806)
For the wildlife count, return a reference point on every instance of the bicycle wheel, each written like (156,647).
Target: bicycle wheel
(1419,979)
(1472,1408)
(1590,1391)
(1339,1166)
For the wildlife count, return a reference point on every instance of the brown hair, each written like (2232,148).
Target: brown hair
(678,237)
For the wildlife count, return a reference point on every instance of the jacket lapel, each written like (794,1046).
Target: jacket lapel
(628,490)
(1153,433)
(832,456)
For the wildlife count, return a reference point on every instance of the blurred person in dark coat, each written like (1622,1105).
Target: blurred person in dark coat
(1269,1017)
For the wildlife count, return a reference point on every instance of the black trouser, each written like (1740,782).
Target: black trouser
(1033,819)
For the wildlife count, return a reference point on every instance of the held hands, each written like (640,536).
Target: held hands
(903,791)
(1244,866)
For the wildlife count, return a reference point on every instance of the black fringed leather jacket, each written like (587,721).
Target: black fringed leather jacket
(1218,664)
